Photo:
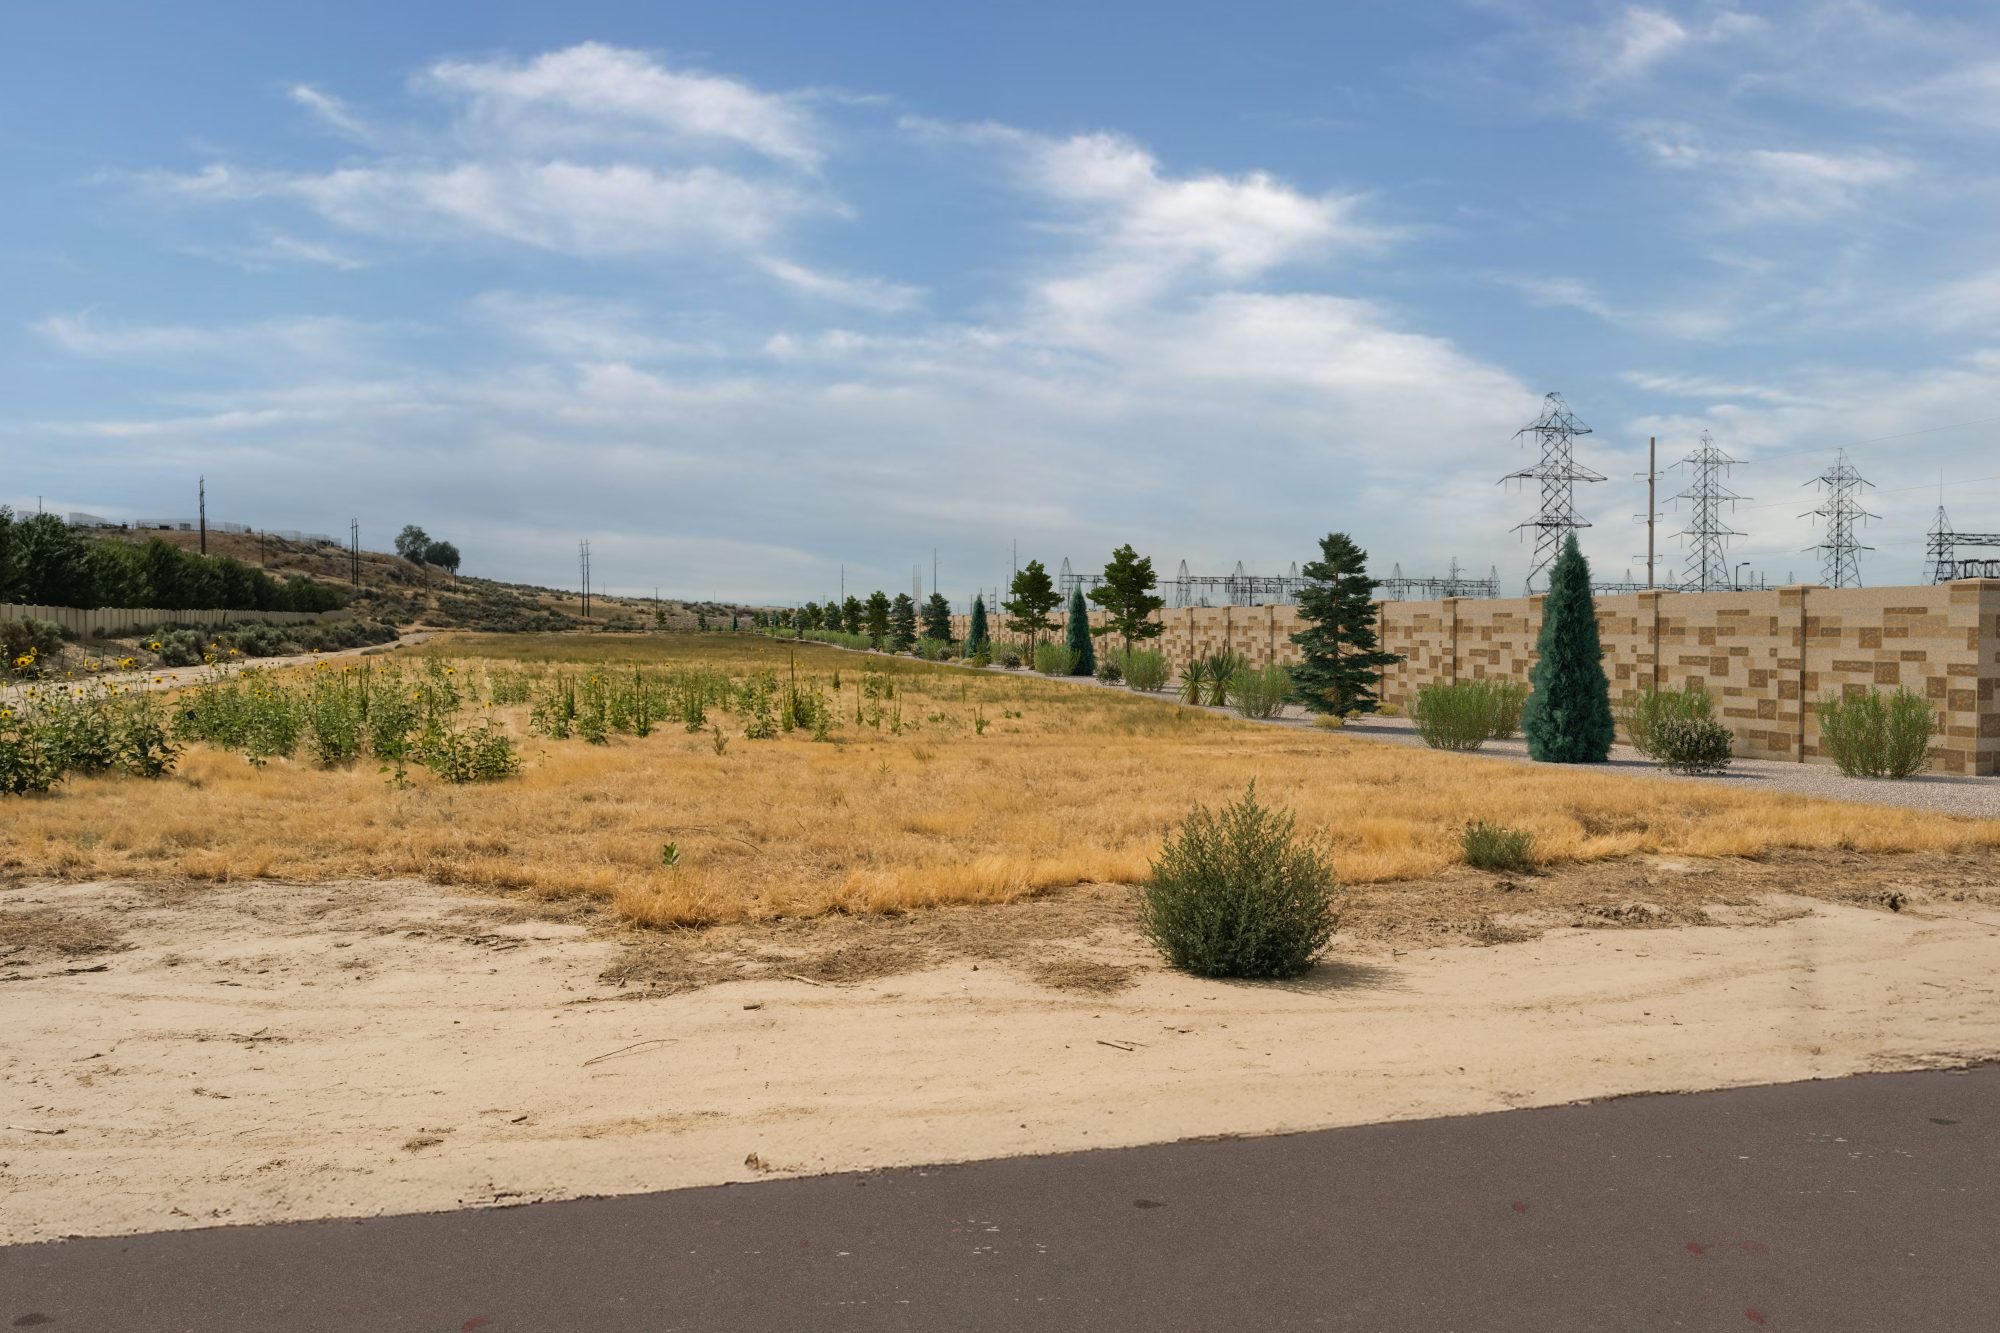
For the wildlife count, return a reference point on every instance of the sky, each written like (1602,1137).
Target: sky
(749,294)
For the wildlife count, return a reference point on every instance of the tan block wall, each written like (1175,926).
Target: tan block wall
(1766,656)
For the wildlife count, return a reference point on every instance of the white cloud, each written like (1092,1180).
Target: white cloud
(289,342)
(331,112)
(863,293)
(591,93)
(580,329)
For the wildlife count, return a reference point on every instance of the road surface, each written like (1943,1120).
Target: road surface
(1864,1203)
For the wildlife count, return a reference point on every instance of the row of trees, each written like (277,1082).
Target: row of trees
(46,562)
(1567,718)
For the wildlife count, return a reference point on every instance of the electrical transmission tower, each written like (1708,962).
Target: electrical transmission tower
(1557,472)
(1707,536)
(1840,552)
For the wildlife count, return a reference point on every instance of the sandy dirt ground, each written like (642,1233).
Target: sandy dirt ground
(197,1055)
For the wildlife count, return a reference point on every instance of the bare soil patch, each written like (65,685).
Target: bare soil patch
(259,1051)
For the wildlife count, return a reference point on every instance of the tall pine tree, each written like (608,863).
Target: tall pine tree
(851,618)
(1343,666)
(1568,717)
(1079,635)
(1034,596)
(902,623)
(978,641)
(1128,598)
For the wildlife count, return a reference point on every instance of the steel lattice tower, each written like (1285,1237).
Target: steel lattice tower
(1557,472)
(1706,534)
(1840,552)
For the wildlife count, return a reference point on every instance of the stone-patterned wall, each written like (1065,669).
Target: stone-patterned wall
(1766,656)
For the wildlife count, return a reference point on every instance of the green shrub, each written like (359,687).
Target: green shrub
(933,650)
(28,647)
(1055,659)
(1259,692)
(1495,847)
(1109,669)
(1463,715)
(1691,744)
(472,754)
(1238,894)
(1642,712)
(1145,669)
(29,763)
(1873,735)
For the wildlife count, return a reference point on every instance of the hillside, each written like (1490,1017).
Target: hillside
(395,590)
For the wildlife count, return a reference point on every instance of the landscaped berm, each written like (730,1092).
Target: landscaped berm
(691,780)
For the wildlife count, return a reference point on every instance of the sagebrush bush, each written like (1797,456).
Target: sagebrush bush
(1691,744)
(1259,692)
(1237,893)
(1145,669)
(1109,669)
(1496,847)
(1873,735)
(1464,715)
(1641,712)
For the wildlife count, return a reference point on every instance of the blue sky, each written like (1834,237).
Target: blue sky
(742,291)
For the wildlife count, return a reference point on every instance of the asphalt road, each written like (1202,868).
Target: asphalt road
(1865,1203)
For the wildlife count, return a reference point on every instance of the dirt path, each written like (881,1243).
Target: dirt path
(260,1051)
(169,678)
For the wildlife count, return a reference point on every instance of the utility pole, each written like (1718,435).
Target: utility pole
(354,551)
(583,571)
(1652,501)
(202,502)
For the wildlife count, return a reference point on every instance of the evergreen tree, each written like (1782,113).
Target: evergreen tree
(1079,635)
(1568,716)
(814,616)
(1034,596)
(850,615)
(1128,598)
(10,568)
(878,618)
(902,623)
(977,640)
(1342,667)
(937,618)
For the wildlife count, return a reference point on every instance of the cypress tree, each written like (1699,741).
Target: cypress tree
(977,639)
(1079,635)
(1568,717)
(1342,666)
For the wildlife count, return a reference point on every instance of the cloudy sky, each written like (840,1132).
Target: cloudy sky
(745,291)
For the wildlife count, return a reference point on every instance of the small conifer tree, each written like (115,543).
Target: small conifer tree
(1568,717)
(851,618)
(977,639)
(1079,636)
(1341,667)
(878,618)
(902,623)
(937,618)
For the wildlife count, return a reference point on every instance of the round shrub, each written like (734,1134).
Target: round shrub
(1236,893)
(1109,670)
(1691,744)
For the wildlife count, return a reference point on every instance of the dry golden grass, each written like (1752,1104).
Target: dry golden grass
(1067,785)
